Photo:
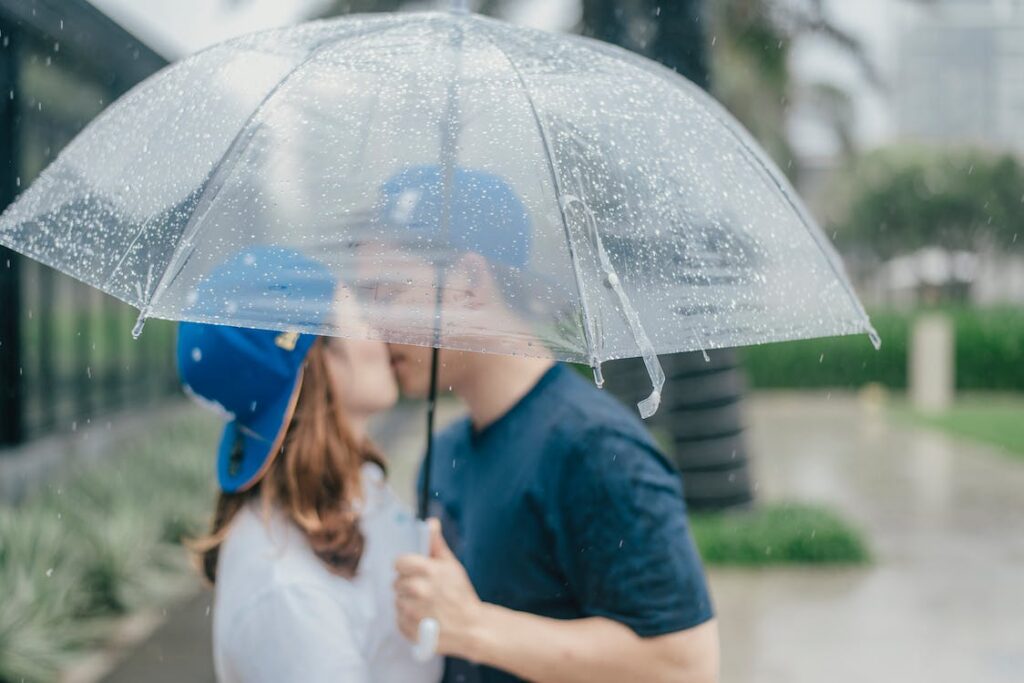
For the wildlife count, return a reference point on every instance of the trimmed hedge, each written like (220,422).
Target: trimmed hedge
(989,354)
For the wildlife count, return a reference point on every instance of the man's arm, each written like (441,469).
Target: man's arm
(535,648)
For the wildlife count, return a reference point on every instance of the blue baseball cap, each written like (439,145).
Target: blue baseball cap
(487,216)
(253,376)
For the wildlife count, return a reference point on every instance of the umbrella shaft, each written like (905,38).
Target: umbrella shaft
(424,497)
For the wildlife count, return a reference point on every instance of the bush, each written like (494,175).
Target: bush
(777,534)
(99,545)
(989,355)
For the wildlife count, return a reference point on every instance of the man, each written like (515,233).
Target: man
(572,557)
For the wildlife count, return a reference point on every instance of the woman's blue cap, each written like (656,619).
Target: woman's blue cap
(253,376)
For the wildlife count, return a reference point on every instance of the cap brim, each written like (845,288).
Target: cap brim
(261,441)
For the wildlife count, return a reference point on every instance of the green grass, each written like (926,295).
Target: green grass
(100,544)
(776,534)
(994,419)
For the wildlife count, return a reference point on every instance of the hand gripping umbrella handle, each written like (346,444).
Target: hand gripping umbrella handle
(429,630)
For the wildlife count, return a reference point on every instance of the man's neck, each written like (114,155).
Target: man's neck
(497,383)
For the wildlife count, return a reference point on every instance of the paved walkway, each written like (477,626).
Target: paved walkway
(943,602)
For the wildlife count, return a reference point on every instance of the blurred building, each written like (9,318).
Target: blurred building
(960,76)
(66,355)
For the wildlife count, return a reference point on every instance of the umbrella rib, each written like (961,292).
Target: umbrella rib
(223,169)
(559,194)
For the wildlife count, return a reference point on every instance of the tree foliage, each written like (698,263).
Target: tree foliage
(900,199)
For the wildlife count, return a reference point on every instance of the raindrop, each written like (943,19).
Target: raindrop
(197,354)
(821,358)
(49,572)
(17,181)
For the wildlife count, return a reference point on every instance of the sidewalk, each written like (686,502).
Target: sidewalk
(943,602)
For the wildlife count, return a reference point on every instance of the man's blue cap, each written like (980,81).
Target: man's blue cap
(252,375)
(487,217)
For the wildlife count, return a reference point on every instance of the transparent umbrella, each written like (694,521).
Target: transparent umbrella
(617,208)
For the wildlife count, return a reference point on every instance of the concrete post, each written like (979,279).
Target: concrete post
(931,363)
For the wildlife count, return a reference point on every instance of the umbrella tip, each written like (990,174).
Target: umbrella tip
(139,324)
(876,340)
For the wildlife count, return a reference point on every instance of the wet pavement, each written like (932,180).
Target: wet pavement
(943,601)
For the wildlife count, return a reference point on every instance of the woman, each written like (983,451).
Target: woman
(306,531)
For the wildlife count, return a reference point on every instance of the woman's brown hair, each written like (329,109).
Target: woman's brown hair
(314,480)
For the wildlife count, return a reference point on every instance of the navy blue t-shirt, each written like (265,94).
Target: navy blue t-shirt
(564,507)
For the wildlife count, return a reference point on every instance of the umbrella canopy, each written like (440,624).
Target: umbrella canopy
(616,208)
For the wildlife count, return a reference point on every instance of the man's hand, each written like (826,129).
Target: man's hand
(537,648)
(438,587)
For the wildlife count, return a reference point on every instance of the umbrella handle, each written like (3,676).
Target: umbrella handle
(429,630)
(427,635)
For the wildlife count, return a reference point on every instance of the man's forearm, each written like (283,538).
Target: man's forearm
(593,650)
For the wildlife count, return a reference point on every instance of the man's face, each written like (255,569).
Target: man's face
(400,293)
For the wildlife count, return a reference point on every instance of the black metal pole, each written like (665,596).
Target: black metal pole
(11,381)
(428,459)
(449,152)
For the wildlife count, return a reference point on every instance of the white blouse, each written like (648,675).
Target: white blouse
(280,615)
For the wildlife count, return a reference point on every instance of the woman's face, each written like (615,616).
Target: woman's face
(361,373)
(360,369)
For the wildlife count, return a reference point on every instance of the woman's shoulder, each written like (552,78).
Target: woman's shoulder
(266,568)
(264,553)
